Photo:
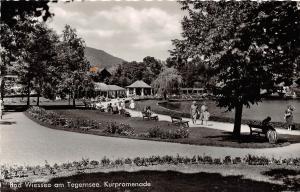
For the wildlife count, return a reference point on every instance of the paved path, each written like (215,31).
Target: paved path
(25,142)
(212,124)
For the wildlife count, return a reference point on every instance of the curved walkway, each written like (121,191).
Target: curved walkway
(24,142)
(213,124)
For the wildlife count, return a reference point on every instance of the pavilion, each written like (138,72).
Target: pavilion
(138,88)
(109,91)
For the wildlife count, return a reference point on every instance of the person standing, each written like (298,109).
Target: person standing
(193,112)
(288,115)
(1,107)
(132,104)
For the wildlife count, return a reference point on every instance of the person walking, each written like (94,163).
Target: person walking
(1,108)
(194,112)
(288,115)
(206,116)
(203,108)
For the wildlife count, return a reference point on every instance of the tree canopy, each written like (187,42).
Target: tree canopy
(129,72)
(249,46)
(167,82)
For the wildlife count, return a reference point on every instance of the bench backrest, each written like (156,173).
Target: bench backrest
(176,117)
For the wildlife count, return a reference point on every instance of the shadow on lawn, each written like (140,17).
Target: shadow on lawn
(228,136)
(162,181)
(7,122)
(289,177)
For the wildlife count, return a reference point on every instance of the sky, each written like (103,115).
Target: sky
(129,30)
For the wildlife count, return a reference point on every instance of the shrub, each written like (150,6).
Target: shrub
(181,133)
(128,161)
(137,161)
(105,161)
(55,166)
(200,159)
(85,162)
(122,129)
(119,162)
(156,132)
(236,160)
(217,161)
(94,163)
(194,159)
(255,160)
(207,159)
(227,160)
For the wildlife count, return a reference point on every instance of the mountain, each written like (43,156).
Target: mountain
(101,59)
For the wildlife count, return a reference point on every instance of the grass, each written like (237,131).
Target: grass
(197,136)
(163,181)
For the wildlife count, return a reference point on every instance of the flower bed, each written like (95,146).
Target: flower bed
(54,119)
(10,172)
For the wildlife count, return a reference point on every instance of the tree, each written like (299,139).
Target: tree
(23,9)
(7,44)
(13,12)
(129,72)
(46,54)
(249,45)
(74,65)
(167,82)
(26,68)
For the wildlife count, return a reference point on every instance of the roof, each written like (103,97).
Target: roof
(139,84)
(104,87)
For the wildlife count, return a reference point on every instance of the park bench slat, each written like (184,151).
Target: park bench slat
(148,116)
(178,121)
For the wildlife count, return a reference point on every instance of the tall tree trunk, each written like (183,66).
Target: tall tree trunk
(238,119)
(28,93)
(38,99)
(74,102)
(2,79)
(69,97)
(2,83)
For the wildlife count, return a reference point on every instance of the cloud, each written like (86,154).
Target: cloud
(122,30)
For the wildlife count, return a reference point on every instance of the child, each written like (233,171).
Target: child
(206,115)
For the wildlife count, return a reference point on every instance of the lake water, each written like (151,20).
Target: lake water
(273,108)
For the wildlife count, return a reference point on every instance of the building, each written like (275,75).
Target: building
(139,88)
(99,75)
(109,91)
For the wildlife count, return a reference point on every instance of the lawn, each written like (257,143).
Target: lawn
(197,136)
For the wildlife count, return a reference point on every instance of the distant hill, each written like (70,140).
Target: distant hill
(101,59)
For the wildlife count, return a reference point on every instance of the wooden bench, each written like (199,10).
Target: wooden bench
(148,116)
(269,132)
(178,121)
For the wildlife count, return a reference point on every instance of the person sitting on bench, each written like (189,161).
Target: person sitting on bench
(150,113)
(266,125)
(109,108)
(115,109)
